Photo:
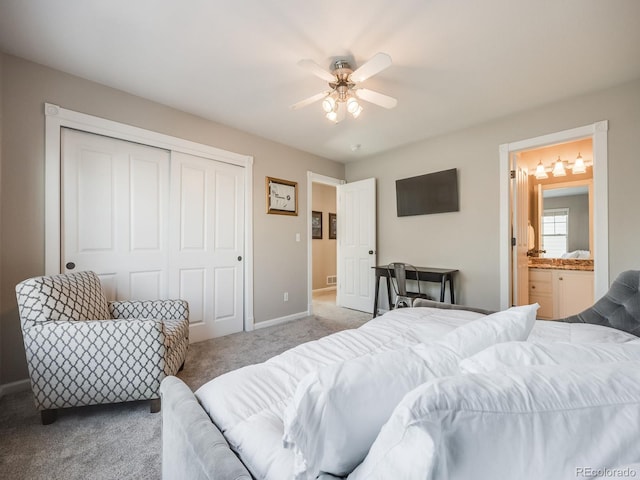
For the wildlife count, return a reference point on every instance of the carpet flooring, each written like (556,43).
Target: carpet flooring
(123,441)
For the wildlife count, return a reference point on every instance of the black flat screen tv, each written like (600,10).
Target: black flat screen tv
(425,194)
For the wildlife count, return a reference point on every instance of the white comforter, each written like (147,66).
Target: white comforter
(247,405)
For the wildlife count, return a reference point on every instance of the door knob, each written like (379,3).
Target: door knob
(70,265)
(370,252)
(239,258)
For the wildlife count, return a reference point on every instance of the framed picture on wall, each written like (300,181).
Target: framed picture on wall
(316,225)
(282,196)
(333,226)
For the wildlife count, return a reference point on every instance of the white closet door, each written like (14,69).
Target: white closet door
(207,243)
(115,214)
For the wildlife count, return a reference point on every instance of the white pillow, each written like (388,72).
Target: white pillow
(337,411)
(529,424)
(526,354)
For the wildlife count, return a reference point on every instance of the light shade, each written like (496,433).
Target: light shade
(540,171)
(328,104)
(579,166)
(333,116)
(352,105)
(558,169)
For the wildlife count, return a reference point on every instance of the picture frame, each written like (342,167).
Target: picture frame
(333,226)
(316,225)
(282,196)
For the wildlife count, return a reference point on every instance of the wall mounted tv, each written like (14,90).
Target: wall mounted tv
(425,194)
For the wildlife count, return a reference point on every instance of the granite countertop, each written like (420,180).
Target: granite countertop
(562,264)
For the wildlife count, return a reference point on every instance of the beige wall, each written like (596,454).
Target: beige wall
(324,250)
(468,239)
(280,262)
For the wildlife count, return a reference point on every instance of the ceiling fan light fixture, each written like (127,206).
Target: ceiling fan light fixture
(353,105)
(332,115)
(579,166)
(328,104)
(357,112)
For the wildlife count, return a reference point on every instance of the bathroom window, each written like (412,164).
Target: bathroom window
(555,232)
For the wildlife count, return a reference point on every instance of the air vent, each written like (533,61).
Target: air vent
(331,280)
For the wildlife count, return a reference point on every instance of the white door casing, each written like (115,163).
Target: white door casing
(115,214)
(598,133)
(356,244)
(206,243)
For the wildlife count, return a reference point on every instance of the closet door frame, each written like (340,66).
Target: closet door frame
(57,118)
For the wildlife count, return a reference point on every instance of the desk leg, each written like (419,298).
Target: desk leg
(375,296)
(387,280)
(443,285)
(453,300)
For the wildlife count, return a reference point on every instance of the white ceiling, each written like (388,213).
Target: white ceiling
(455,62)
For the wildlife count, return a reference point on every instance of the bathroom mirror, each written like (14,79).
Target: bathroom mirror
(565,222)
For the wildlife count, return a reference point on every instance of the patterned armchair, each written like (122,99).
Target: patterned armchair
(83,350)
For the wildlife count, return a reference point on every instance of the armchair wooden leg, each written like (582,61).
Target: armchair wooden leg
(48,416)
(154,405)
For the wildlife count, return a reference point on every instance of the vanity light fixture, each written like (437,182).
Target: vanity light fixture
(541,173)
(558,168)
(579,166)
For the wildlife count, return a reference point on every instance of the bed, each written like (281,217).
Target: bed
(424,392)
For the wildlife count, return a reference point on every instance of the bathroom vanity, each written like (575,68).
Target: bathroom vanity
(561,287)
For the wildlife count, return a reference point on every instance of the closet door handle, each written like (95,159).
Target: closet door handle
(239,258)
(70,265)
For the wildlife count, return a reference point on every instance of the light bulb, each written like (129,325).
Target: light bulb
(328,104)
(357,112)
(333,116)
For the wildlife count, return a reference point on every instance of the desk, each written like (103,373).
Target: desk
(425,274)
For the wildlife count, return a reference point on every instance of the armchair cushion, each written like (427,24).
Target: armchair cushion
(65,297)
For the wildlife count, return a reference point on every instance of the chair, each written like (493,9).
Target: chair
(619,308)
(398,281)
(83,350)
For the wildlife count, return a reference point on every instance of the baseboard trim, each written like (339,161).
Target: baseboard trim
(14,387)
(278,321)
(325,289)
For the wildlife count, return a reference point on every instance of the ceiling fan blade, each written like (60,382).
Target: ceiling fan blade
(310,100)
(317,70)
(376,64)
(379,99)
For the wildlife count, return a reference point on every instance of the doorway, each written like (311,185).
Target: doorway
(514,234)
(324,244)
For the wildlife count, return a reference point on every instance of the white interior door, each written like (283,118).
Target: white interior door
(521,235)
(114,215)
(356,244)
(207,243)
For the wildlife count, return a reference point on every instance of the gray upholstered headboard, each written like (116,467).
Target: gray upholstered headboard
(619,308)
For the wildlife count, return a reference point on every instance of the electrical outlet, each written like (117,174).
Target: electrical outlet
(286,296)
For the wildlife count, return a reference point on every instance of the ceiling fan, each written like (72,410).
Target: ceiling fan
(344,92)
